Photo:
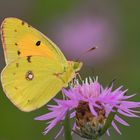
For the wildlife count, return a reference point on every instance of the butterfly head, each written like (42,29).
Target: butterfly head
(76,66)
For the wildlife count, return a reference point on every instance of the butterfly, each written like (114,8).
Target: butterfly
(36,70)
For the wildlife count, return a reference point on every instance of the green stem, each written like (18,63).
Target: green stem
(67,128)
(109,121)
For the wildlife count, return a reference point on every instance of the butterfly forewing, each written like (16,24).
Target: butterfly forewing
(20,39)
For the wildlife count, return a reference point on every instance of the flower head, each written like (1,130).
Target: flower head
(91,104)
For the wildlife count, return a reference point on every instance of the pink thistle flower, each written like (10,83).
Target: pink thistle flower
(90,104)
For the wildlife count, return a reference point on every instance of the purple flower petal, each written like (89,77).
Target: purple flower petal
(108,133)
(59,133)
(120,120)
(116,128)
(92,109)
(46,116)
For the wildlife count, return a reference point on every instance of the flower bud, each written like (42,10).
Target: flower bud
(88,125)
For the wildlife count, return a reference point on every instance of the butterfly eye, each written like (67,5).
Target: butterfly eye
(38,43)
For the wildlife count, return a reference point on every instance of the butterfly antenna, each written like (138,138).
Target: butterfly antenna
(84,53)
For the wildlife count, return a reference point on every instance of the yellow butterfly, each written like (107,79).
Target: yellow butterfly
(36,69)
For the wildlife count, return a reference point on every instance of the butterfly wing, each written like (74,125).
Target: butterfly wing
(20,39)
(31,84)
(36,69)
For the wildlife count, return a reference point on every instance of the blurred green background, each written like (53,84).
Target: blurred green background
(75,26)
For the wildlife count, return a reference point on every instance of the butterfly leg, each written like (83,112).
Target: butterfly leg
(78,76)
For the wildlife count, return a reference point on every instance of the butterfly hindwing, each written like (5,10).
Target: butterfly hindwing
(31,84)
